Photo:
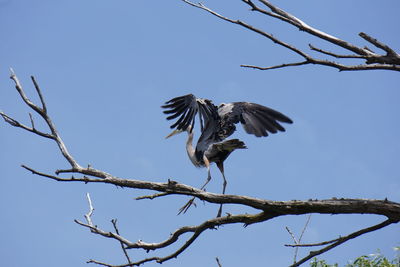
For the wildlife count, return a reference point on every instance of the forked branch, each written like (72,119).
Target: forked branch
(372,60)
(195,232)
(54,135)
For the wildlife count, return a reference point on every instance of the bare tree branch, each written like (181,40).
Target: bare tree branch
(246,219)
(43,113)
(245,25)
(294,207)
(373,61)
(54,133)
(341,240)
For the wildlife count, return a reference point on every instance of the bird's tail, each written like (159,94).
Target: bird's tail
(231,145)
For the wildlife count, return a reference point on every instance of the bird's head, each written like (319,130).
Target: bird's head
(178,131)
(174,132)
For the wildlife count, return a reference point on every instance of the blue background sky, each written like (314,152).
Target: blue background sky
(105,67)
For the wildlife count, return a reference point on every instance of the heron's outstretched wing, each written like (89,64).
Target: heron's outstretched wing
(187,107)
(256,119)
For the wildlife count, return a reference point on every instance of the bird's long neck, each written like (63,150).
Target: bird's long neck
(190,149)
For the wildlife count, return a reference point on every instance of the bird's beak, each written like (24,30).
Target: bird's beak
(173,133)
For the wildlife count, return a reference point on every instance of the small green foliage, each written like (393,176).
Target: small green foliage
(321,263)
(372,260)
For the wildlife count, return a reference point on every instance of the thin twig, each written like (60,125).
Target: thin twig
(114,222)
(101,263)
(39,92)
(336,55)
(88,216)
(295,241)
(378,44)
(291,235)
(265,12)
(313,245)
(305,227)
(153,196)
(17,124)
(32,123)
(277,66)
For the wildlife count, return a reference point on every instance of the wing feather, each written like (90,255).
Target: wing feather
(179,121)
(176,112)
(256,119)
(187,107)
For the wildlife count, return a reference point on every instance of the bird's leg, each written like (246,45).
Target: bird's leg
(220,166)
(207,163)
(191,201)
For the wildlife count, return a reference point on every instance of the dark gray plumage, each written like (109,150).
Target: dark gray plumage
(217,124)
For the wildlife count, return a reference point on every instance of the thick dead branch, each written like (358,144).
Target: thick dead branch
(279,208)
(294,207)
(373,61)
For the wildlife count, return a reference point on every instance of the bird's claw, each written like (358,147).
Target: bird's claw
(187,206)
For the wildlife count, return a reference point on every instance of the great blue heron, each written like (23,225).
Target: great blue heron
(216,124)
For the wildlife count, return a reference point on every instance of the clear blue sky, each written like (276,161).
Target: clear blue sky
(105,67)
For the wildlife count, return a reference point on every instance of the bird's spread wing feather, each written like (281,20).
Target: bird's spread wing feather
(256,119)
(187,107)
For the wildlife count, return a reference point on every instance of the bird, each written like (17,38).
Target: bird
(217,123)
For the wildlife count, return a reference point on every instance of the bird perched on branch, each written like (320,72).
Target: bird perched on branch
(217,124)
